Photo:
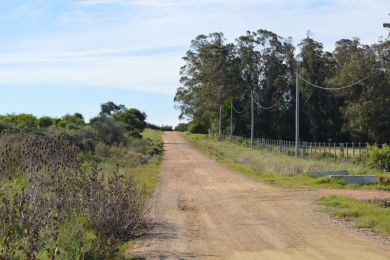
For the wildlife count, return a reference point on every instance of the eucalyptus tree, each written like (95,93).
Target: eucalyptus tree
(316,66)
(267,65)
(207,79)
(366,106)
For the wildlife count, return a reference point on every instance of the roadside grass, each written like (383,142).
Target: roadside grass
(366,215)
(145,171)
(279,169)
(147,174)
(154,135)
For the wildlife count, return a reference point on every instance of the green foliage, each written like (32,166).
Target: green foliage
(197,127)
(71,121)
(20,121)
(209,76)
(263,65)
(384,179)
(133,120)
(366,215)
(161,128)
(84,137)
(379,157)
(182,127)
(109,130)
(77,240)
(46,121)
(110,108)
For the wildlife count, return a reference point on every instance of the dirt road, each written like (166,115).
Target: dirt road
(204,210)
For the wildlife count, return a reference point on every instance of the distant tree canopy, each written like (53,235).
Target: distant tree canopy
(264,64)
(133,120)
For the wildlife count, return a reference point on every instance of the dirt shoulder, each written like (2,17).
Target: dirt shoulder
(204,210)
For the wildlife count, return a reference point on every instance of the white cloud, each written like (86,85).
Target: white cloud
(146,73)
(92,48)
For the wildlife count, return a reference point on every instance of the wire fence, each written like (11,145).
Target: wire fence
(332,150)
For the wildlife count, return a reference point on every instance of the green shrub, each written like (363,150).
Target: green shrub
(109,130)
(384,179)
(182,127)
(197,127)
(379,158)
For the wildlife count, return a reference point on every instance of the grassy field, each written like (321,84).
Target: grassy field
(278,169)
(366,215)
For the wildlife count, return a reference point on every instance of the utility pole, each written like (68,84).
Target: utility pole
(231,120)
(252,119)
(296,115)
(219,128)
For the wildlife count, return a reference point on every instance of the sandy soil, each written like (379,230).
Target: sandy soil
(203,210)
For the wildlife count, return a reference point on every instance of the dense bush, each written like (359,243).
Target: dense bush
(53,192)
(30,213)
(85,137)
(197,127)
(384,179)
(117,210)
(133,120)
(10,152)
(109,130)
(20,121)
(146,146)
(182,127)
(71,121)
(379,157)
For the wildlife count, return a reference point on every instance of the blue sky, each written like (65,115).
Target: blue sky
(66,56)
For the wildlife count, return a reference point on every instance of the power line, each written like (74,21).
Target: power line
(269,107)
(344,87)
(238,112)
(266,108)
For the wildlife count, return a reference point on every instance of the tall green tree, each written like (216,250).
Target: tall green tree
(263,65)
(207,79)
(318,107)
(366,106)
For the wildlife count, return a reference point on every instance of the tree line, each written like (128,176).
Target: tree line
(114,125)
(263,64)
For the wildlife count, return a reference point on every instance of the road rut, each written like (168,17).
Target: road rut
(203,210)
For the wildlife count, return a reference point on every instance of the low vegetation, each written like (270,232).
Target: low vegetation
(379,158)
(76,190)
(365,214)
(279,169)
